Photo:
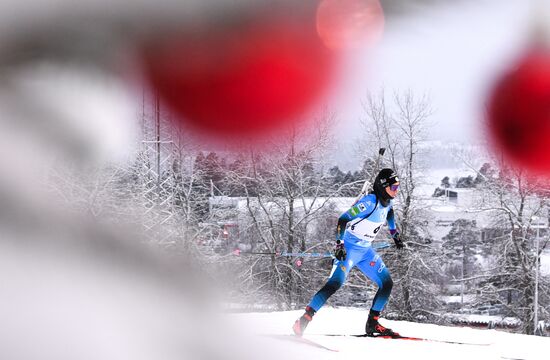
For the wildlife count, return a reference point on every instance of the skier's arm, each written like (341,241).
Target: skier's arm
(342,222)
(339,250)
(391,221)
(393,230)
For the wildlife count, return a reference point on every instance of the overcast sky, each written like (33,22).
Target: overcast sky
(450,52)
(453,53)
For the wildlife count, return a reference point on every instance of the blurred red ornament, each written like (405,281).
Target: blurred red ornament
(348,24)
(519,113)
(242,76)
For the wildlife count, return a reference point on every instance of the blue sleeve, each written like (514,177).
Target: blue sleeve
(391,220)
(341,228)
(361,208)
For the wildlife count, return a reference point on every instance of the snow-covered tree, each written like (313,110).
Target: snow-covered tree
(461,248)
(465,182)
(463,244)
(515,200)
(286,201)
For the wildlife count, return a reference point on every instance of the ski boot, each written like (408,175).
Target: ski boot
(374,329)
(302,322)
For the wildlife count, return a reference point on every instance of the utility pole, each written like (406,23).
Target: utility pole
(462,267)
(156,153)
(157,130)
(536,295)
(536,300)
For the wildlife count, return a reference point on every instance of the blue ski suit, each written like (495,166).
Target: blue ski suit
(357,228)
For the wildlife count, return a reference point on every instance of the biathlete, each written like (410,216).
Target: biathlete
(356,231)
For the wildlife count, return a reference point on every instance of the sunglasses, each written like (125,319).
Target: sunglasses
(394,187)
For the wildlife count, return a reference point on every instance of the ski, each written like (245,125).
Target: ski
(301,340)
(412,338)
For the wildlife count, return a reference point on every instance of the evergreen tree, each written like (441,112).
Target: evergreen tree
(465,182)
(484,174)
(460,247)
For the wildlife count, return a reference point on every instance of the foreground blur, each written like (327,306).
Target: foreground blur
(73,287)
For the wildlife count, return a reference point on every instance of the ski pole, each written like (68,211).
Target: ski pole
(376,246)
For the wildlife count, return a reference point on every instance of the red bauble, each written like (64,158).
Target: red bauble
(519,113)
(349,24)
(241,77)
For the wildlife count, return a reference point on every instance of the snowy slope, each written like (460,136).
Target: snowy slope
(491,344)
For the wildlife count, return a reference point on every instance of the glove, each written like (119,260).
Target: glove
(399,244)
(339,251)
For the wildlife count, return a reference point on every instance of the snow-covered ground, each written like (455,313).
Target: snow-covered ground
(264,333)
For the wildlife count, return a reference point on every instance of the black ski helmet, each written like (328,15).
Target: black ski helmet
(385,178)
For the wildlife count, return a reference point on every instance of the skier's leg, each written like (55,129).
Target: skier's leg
(375,269)
(340,271)
(338,275)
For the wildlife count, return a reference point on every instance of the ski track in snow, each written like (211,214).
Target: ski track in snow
(502,345)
